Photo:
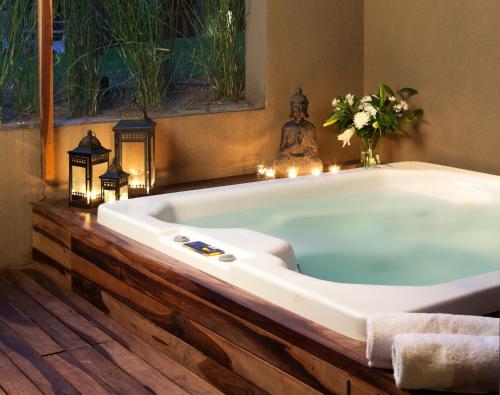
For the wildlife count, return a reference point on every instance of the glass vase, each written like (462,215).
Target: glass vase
(369,157)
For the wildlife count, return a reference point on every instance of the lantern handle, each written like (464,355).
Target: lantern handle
(133,100)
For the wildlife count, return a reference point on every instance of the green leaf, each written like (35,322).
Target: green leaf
(389,90)
(408,91)
(344,123)
(363,133)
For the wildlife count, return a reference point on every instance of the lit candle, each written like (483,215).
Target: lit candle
(261,170)
(109,197)
(270,173)
(333,169)
(292,172)
(91,196)
(316,171)
(80,189)
(136,178)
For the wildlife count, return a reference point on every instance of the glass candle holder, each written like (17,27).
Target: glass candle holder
(270,173)
(316,171)
(334,169)
(292,172)
(261,171)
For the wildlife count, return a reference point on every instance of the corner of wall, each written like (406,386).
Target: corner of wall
(363,20)
(255,52)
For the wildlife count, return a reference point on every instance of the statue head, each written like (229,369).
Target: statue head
(299,104)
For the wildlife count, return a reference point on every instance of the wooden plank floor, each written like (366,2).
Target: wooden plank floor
(55,345)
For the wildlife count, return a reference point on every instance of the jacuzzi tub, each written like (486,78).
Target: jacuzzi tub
(410,204)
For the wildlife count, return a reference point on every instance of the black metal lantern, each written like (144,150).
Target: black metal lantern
(114,183)
(134,150)
(86,163)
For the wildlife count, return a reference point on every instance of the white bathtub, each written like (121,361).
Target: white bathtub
(266,266)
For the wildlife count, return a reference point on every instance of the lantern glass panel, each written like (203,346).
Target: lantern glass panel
(109,195)
(97,170)
(124,192)
(133,163)
(79,182)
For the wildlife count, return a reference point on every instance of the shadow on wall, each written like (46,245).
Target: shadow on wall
(414,142)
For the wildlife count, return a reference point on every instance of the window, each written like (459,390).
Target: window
(172,56)
(18,61)
(168,55)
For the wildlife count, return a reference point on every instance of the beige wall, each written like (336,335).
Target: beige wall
(449,50)
(317,44)
(20,185)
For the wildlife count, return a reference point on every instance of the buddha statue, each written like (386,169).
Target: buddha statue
(298,148)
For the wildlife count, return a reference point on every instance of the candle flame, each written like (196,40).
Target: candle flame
(292,172)
(270,173)
(334,169)
(316,171)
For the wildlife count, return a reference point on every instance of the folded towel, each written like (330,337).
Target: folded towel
(381,329)
(460,363)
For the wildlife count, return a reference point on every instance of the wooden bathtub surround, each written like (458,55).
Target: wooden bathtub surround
(234,340)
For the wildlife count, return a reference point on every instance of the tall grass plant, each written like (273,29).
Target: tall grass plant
(84,48)
(18,56)
(143,33)
(220,28)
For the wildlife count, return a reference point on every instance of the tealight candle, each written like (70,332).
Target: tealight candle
(316,171)
(333,169)
(261,170)
(91,196)
(269,173)
(292,172)
(136,178)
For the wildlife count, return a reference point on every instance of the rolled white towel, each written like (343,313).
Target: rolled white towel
(381,328)
(460,363)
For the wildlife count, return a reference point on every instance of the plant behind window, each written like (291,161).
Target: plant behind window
(18,61)
(83,54)
(219,25)
(142,30)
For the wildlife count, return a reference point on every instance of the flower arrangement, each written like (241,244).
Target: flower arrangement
(372,117)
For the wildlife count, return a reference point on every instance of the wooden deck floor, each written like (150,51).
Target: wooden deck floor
(54,342)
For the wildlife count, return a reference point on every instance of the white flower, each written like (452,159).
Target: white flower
(229,19)
(398,107)
(350,99)
(404,105)
(392,98)
(335,102)
(361,119)
(370,110)
(345,137)
(366,99)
